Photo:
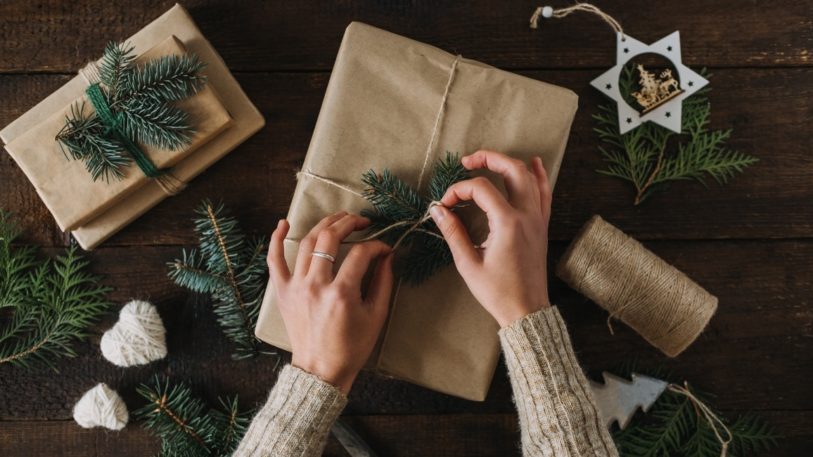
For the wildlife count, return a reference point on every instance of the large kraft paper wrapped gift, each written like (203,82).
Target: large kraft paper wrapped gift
(221,114)
(394,103)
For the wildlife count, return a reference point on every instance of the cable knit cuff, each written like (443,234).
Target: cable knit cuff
(553,398)
(296,418)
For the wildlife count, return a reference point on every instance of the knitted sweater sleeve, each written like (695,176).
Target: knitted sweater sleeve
(557,414)
(296,418)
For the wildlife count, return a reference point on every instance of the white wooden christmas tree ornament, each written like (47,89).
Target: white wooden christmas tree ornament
(662,96)
(101,406)
(618,399)
(138,338)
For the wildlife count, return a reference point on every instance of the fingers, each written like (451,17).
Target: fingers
(519,182)
(277,266)
(481,191)
(380,290)
(358,261)
(456,236)
(543,185)
(308,244)
(328,241)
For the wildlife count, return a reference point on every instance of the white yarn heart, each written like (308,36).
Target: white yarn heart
(138,338)
(101,406)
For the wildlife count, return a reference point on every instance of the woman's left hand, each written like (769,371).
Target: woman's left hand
(332,325)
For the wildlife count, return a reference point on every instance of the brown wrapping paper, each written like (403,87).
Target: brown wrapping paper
(383,103)
(245,121)
(66,187)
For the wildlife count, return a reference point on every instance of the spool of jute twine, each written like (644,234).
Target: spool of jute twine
(636,286)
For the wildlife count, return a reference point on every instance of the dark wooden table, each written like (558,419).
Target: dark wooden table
(750,243)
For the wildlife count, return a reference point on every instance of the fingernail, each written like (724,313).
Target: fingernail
(437,213)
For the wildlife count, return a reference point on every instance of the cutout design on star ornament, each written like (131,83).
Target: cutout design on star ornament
(661,97)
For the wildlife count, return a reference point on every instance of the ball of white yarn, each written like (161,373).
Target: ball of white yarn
(139,337)
(101,406)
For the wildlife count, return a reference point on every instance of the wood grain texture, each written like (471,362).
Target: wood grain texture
(769,110)
(285,35)
(765,319)
(750,243)
(448,435)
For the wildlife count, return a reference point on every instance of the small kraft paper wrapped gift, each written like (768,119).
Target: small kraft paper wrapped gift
(220,114)
(397,104)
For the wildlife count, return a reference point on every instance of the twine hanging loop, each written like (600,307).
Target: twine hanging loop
(549,12)
(715,423)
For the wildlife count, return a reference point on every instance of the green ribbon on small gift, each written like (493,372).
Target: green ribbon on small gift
(112,122)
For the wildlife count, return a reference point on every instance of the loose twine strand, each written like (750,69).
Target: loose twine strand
(637,287)
(170,184)
(717,425)
(558,13)
(414,225)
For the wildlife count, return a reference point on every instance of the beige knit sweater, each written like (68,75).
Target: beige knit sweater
(557,415)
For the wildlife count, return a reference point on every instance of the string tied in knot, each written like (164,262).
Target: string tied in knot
(549,12)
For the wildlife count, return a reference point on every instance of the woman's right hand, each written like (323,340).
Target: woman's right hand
(507,273)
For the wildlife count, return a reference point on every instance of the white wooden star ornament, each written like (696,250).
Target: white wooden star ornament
(667,113)
(661,96)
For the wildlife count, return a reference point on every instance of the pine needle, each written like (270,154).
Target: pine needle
(231,268)
(395,202)
(141,98)
(642,156)
(53,301)
(187,425)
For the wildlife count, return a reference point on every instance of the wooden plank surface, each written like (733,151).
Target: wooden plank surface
(769,114)
(448,435)
(750,243)
(722,360)
(285,35)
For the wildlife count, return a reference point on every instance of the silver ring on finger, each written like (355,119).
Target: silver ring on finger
(324,255)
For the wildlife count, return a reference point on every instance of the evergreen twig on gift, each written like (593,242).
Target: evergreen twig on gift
(186,425)
(401,213)
(51,302)
(141,99)
(643,157)
(231,268)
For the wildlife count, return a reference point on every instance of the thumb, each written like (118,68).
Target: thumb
(456,236)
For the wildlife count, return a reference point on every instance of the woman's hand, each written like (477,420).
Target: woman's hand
(508,272)
(332,326)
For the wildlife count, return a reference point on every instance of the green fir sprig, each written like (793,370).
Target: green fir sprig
(52,302)
(141,98)
(231,268)
(674,427)
(651,156)
(186,425)
(399,207)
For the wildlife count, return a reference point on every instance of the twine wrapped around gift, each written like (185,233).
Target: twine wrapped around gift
(637,287)
(436,127)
